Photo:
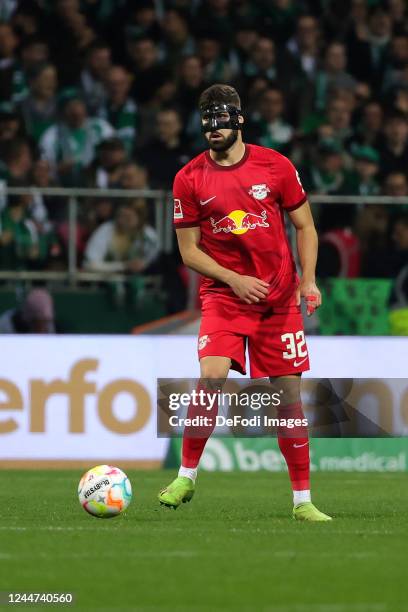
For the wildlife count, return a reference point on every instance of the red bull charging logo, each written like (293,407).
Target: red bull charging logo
(239,222)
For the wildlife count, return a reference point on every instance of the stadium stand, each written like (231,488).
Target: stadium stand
(103,95)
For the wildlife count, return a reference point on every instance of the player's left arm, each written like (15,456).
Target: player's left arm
(307,245)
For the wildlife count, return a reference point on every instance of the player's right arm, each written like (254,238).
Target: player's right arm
(248,288)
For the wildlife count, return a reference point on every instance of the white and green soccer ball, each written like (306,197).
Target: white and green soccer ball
(104,491)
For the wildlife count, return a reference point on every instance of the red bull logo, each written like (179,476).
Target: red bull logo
(239,222)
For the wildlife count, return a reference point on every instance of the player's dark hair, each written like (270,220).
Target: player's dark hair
(219,94)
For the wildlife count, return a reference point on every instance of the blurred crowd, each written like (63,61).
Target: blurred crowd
(103,93)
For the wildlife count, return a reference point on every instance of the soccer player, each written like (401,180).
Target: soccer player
(229,205)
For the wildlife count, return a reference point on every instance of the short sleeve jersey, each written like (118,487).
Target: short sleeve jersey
(240,212)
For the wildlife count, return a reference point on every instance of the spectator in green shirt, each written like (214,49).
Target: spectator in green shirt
(39,108)
(119,109)
(210,51)
(326,173)
(97,63)
(177,41)
(333,76)
(19,240)
(362,180)
(268,124)
(70,144)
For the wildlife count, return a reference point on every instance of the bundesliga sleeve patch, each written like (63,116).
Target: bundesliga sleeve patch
(178,211)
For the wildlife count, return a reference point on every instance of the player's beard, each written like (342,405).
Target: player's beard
(226,143)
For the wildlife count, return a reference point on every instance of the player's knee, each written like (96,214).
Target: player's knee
(214,368)
(288,388)
(213,375)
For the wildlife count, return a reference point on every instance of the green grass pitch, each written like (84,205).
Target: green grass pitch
(234,547)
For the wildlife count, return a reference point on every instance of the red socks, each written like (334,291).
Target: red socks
(295,449)
(195,438)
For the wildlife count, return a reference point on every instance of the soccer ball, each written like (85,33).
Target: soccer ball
(104,491)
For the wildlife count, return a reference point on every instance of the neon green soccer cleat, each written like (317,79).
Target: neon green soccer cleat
(181,490)
(308,512)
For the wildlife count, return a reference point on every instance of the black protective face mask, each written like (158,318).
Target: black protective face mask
(220,117)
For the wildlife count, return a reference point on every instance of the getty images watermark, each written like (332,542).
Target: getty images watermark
(253,408)
(207,401)
(286,406)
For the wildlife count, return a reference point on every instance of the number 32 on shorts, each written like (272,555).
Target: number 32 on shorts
(295,344)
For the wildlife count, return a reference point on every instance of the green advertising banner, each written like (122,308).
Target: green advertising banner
(327,454)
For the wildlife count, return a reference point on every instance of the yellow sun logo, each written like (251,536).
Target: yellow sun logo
(237,216)
(239,222)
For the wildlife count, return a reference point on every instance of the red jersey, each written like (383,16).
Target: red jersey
(239,210)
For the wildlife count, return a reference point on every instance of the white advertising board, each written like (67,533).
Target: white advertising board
(93,397)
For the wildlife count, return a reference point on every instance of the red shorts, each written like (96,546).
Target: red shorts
(275,337)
